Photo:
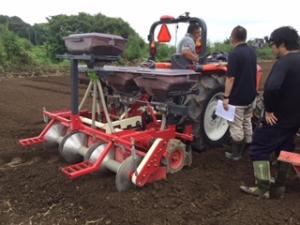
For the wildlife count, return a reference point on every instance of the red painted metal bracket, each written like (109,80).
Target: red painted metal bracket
(292,158)
(31,141)
(86,167)
(27,142)
(150,168)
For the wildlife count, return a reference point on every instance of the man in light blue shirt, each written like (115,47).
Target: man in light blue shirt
(187,46)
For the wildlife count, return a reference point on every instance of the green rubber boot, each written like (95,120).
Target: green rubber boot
(262,176)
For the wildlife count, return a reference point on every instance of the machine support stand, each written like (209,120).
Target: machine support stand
(74,101)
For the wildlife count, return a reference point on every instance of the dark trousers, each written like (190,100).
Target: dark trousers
(268,139)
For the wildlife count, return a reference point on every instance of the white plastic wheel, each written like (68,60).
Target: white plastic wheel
(215,127)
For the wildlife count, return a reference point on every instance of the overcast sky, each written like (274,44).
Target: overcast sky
(259,17)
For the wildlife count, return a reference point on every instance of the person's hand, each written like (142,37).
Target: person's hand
(226,103)
(196,58)
(271,119)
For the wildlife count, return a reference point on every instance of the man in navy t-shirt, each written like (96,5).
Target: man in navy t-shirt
(240,91)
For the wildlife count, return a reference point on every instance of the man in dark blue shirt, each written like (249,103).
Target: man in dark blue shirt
(282,114)
(240,91)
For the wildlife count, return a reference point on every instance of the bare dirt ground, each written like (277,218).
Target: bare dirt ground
(33,191)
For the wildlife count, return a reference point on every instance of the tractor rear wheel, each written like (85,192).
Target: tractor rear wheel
(258,111)
(213,127)
(209,130)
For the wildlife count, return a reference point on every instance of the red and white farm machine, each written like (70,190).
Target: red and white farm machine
(291,158)
(144,120)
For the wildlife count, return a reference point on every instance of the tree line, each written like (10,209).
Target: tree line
(25,47)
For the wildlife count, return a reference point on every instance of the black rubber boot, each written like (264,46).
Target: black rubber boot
(246,147)
(262,176)
(236,151)
(278,188)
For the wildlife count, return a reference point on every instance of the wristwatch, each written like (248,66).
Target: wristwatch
(226,97)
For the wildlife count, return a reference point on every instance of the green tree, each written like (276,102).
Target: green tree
(2,57)
(17,25)
(136,49)
(220,47)
(40,33)
(62,25)
(165,52)
(14,51)
(264,53)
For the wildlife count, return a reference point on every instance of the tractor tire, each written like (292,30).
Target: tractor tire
(258,111)
(209,130)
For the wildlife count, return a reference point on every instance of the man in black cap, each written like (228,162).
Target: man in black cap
(282,114)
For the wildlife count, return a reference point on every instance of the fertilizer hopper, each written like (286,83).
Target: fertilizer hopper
(158,83)
(95,43)
(121,81)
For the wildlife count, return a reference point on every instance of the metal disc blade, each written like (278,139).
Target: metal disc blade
(93,153)
(69,148)
(52,135)
(123,176)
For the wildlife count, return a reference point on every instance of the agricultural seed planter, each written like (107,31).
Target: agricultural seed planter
(144,120)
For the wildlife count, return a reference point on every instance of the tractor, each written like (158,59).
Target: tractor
(201,97)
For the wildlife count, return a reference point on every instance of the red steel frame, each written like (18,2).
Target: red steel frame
(292,158)
(152,172)
(142,139)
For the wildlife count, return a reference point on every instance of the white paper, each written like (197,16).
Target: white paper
(227,115)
